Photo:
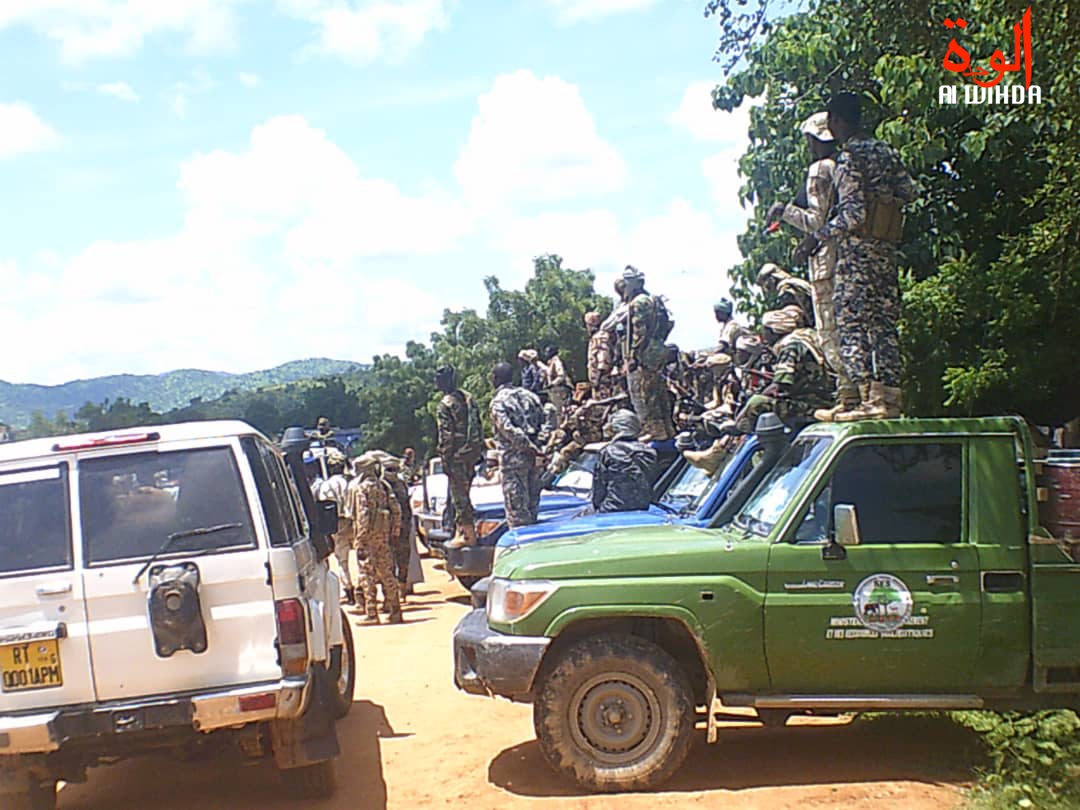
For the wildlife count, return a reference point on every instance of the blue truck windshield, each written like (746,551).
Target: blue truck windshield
(773,494)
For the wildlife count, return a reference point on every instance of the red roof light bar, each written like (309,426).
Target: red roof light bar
(115,440)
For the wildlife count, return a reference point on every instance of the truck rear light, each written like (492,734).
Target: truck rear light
(114,440)
(292,636)
(255,703)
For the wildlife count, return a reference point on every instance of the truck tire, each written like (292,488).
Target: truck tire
(39,796)
(614,713)
(316,781)
(341,676)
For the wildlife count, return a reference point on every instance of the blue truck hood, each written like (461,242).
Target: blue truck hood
(550,503)
(586,524)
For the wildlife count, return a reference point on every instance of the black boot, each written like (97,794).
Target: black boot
(350,596)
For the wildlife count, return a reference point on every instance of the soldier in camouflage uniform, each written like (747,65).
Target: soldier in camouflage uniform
(376,517)
(646,354)
(801,381)
(399,539)
(461,446)
(517,419)
(600,357)
(872,186)
(820,196)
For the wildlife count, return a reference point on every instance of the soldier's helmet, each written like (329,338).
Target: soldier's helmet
(632,276)
(724,307)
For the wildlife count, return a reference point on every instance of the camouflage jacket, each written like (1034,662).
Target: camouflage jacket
(600,359)
(820,198)
(641,336)
(461,437)
(517,418)
(375,510)
(865,168)
(800,370)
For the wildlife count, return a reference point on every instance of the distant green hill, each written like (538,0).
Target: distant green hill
(163,392)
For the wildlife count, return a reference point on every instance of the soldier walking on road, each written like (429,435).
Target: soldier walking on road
(376,516)
(517,418)
(335,488)
(400,541)
(820,198)
(646,354)
(461,446)
(872,186)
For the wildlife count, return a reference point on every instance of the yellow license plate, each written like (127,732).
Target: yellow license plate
(31,665)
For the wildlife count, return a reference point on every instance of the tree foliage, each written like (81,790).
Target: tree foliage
(990,267)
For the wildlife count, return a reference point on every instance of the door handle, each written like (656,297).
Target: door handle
(54,589)
(942,579)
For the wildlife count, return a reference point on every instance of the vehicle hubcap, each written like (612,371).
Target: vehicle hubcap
(616,717)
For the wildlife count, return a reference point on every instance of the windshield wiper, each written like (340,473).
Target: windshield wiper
(172,538)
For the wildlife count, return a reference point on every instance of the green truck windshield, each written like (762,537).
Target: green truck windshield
(767,503)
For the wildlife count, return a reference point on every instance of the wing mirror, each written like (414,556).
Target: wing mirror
(846,523)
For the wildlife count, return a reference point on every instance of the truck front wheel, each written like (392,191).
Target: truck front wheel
(615,713)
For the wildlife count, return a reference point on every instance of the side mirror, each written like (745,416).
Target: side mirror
(846,521)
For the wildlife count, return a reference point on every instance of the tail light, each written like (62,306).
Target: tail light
(292,636)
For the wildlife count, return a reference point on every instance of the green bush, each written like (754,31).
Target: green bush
(1034,759)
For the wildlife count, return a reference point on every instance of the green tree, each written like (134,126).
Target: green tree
(990,267)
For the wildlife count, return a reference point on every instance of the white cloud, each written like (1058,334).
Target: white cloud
(21,131)
(534,139)
(120,90)
(362,31)
(265,228)
(91,28)
(571,11)
(249,79)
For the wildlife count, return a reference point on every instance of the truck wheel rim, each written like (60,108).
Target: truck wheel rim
(343,672)
(616,718)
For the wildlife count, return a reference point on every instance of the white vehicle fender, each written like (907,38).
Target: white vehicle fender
(319,647)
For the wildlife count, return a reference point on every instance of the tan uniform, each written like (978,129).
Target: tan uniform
(376,515)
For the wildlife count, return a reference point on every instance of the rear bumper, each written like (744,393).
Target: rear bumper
(204,711)
(487,662)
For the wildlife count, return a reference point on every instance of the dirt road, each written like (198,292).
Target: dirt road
(413,741)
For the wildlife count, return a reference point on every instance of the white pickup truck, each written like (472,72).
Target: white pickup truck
(165,588)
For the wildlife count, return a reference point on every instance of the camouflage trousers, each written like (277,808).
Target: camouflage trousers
(867,304)
(825,320)
(343,544)
(521,491)
(792,412)
(377,568)
(649,397)
(459,476)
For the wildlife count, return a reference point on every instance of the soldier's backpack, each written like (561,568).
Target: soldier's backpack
(664,322)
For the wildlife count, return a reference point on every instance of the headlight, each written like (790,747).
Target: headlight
(510,600)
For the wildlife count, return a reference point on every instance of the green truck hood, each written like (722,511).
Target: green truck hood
(635,552)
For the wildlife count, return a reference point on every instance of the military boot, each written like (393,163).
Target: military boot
(708,460)
(466,537)
(871,407)
(892,402)
(847,399)
(350,596)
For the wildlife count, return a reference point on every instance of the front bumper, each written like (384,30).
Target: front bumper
(470,561)
(487,662)
(203,711)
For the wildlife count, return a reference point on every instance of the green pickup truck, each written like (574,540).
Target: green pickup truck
(885,565)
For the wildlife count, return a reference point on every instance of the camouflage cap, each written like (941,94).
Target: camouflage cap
(817,127)
(528,355)
(771,271)
(366,461)
(783,321)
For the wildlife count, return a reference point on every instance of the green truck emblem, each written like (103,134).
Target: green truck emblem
(882,603)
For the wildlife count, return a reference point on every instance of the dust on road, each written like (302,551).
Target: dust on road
(412,741)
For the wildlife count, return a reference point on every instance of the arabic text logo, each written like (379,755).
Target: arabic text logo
(987,87)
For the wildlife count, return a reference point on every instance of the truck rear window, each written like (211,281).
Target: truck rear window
(35,532)
(131,503)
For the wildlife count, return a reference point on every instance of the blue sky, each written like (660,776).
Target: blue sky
(231,184)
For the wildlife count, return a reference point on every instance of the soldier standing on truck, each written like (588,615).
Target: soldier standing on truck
(730,329)
(600,361)
(872,186)
(820,199)
(461,446)
(335,488)
(648,327)
(376,516)
(517,418)
(556,380)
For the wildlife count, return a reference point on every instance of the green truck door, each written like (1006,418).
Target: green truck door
(901,614)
